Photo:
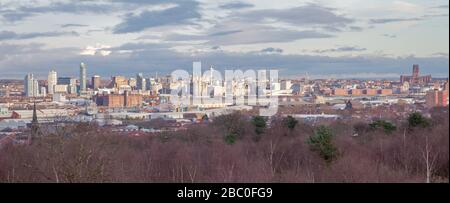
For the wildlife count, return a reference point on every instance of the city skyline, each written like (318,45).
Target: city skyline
(342,39)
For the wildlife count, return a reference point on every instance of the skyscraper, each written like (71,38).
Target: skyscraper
(96,82)
(83,77)
(52,81)
(141,85)
(31,86)
(70,82)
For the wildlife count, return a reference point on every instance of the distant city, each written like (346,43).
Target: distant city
(110,100)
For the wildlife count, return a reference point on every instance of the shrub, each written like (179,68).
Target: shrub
(416,119)
(322,142)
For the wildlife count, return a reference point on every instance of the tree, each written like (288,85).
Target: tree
(416,119)
(260,124)
(290,122)
(230,138)
(322,142)
(387,126)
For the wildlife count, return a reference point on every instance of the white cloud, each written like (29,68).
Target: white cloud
(97,49)
(405,7)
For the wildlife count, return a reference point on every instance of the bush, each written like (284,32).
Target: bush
(416,119)
(322,142)
(290,122)
(260,124)
(230,138)
(387,126)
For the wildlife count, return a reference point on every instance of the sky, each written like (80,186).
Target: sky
(318,38)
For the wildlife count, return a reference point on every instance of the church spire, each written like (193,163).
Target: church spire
(34,124)
(34,114)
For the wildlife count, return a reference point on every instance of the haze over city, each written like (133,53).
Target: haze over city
(341,39)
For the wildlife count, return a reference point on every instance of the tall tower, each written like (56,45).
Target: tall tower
(28,83)
(96,82)
(415,76)
(31,86)
(34,124)
(52,81)
(416,70)
(141,84)
(83,77)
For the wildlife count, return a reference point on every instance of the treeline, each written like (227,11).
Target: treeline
(241,148)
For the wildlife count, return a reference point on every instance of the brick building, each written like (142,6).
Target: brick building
(119,100)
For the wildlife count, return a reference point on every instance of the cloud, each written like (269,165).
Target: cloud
(150,58)
(341,49)
(13,16)
(73,25)
(435,16)
(182,13)
(442,7)
(9,35)
(79,7)
(405,7)
(272,50)
(97,49)
(311,14)
(393,20)
(389,36)
(441,54)
(254,26)
(251,35)
(222,33)
(236,5)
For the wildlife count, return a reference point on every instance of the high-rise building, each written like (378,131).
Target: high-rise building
(149,83)
(51,81)
(132,82)
(31,86)
(70,83)
(140,82)
(118,81)
(96,82)
(83,77)
(43,92)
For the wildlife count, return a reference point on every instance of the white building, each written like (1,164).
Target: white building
(31,86)
(52,81)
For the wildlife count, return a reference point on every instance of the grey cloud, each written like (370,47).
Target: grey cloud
(310,14)
(356,28)
(250,28)
(9,35)
(13,16)
(149,58)
(441,54)
(236,5)
(442,7)
(341,49)
(435,16)
(73,25)
(389,36)
(78,7)
(225,33)
(393,20)
(253,35)
(148,19)
(272,50)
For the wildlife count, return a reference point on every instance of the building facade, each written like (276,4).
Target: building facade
(415,78)
(83,77)
(52,81)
